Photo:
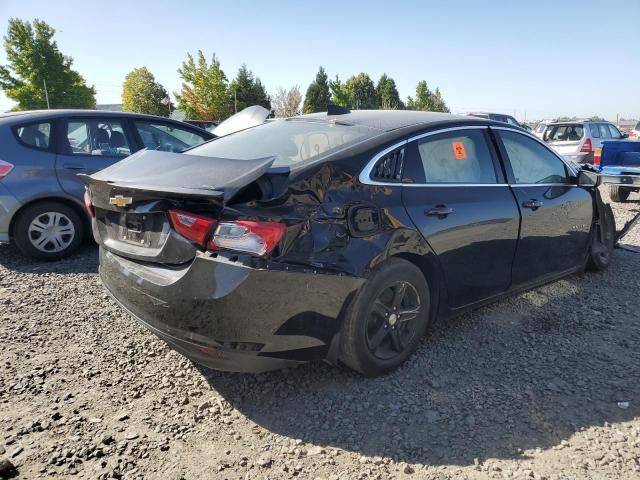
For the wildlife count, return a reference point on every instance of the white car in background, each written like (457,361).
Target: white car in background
(539,129)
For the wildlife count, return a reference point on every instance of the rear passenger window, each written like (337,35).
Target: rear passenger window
(97,137)
(531,161)
(595,131)
(604,130)
(457,157)
(35,135)
(615,133)
(167,137)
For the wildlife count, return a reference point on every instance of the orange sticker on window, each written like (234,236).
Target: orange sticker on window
(459,151)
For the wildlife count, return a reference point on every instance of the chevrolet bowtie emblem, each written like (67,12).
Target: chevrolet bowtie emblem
(120,201)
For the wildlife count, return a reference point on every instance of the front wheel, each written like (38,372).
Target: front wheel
(48,231)
(603,241)
(386,320)
(619,194)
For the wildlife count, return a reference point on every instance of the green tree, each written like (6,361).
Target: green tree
(318,96)
(142,94)
(33,58)
(388,93)
(361,92)
(339,96)
(422,101)
(205,91)
(248,90)
(437,102)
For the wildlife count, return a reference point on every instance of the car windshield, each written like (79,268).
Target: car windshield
(564,133)
(289,141)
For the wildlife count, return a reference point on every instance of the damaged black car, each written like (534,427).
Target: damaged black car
(338,236)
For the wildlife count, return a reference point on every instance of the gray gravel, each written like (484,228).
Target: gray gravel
(530,387)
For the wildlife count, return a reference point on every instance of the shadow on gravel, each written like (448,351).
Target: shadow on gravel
(521,374)
(85,260)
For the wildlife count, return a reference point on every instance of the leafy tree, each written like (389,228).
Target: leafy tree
(33,58)
(286,103)
(437,102)
(339,96)
(142,94)
(388,93)
(318,96)
(248,90)
(427,100)
(205,91)
(361,92)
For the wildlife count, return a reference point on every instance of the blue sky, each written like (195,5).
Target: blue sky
(545,58)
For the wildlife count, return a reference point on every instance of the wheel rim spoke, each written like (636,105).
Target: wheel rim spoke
(381,309)
(396,340)
(398,294)
(408,314)
(378,337)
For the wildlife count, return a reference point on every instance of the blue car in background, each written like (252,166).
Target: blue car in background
(41,155)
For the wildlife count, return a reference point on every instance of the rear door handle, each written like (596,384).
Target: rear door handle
(439,211)
(73,166)
(532,204)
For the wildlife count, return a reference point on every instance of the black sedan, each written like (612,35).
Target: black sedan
(338,236)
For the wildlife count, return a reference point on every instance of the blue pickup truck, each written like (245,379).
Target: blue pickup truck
(619,165)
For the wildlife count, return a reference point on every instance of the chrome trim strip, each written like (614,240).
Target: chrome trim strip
(452,184)
(542,185)
(450,129)
(365,175)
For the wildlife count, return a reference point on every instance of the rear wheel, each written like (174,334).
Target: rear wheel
(603,242)
(48,231)
(386,320)
(618,193)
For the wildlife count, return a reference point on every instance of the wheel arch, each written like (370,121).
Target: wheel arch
(70,202)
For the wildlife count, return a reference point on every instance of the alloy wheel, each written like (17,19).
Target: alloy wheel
(51,232)
(392,318)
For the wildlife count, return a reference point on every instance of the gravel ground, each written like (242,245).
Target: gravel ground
(525,388)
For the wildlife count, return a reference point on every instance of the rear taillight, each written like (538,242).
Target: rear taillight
(196,228)
(597,156)
(256,238)
(5,168)
(586,147)
(88,205)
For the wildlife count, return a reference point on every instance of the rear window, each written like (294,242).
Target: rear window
(289,141)
(595,131)
(35,135)
(637,126)
(565,133)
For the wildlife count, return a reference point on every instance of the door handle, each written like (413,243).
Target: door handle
(533,204)
(73,166)
(439,211)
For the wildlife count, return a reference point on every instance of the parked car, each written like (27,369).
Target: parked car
(338,236)
(619,163)
(498,117)
(41,155)
(538,131)
(578,140)
(634,133)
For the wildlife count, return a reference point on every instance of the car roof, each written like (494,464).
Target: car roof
(34,115)
(389,120)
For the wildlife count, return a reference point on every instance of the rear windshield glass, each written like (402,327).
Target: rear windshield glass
(290,141)
(564,133)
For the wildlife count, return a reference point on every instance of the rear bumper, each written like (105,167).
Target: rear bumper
(580,157)
(9,205)
(231,317)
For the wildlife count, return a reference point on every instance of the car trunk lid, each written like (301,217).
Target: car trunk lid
(132,199)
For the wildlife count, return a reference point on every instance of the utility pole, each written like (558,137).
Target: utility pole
(46,94)
(235,102)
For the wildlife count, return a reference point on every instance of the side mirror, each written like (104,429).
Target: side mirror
(588,179)
(624,135)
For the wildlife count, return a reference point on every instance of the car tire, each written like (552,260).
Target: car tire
(618,194)
(375,337)
(48,231)
(600,255)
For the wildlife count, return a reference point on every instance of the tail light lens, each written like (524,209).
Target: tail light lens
(597,156)
(257,238)
(88,205)
(586,147)
(5,168)
(194,227)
